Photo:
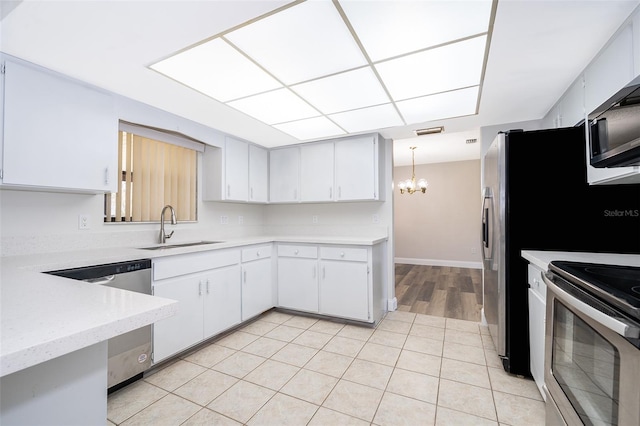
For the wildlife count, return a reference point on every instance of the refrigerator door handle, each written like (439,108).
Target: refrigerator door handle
(487,236)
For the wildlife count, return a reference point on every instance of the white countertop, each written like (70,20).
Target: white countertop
(44,316)
(542,258)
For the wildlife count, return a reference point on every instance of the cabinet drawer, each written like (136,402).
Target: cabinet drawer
(256,253)
(184,264)
(344,253)
(286,250)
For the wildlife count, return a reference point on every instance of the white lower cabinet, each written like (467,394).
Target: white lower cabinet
(537,321)
(298,277)
(331,280)
(257,283)
(345,286)
(207,287)
(222,300)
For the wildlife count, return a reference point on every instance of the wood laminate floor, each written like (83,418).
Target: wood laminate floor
(443,291)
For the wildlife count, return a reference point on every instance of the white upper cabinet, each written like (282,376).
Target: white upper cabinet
(258,174)
(356,169)
(59,134)
(235,172)
(611,70)
(236,157)
(284,175)
(316,172)
(571,108)
(340,170)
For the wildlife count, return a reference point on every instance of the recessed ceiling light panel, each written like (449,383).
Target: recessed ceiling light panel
(437,70)
(278,106)
(375,117)
(311,128)
(217,70)
(303,42)
(457,103)
(392,28)
(341,92)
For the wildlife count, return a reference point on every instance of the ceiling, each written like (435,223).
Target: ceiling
(537,48)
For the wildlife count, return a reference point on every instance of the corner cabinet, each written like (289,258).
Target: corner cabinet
(207,287)
(235,172)
(284,175)
(59,134)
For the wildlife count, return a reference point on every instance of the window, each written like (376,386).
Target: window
(153,174)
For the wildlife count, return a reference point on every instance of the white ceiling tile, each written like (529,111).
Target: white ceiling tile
(278,106)
(311,128)
(376,117)
(217,70)
(341,92)
(457,103)
(306,41)
(391,28)
(437,70)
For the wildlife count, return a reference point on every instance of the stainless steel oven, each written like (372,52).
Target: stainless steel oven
(592,347)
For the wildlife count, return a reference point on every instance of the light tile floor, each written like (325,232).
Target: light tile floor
(281,369)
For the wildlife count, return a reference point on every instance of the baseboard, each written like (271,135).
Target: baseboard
(439,262)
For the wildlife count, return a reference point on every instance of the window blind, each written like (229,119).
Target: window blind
(153,174)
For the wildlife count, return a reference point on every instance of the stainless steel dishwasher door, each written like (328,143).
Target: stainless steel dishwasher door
(129,353)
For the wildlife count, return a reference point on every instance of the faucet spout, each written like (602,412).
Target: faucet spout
(174,221)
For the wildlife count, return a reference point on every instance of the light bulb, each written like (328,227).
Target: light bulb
(411,184)
(402,184)
(422,183)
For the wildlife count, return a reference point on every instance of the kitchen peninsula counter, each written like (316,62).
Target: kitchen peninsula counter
(44,316)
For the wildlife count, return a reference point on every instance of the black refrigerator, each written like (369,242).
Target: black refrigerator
(536,197)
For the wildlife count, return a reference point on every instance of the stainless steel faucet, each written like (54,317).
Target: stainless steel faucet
(163,236)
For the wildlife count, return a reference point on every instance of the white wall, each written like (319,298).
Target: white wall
(442,226)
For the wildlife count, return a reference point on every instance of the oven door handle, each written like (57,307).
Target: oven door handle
(617,325)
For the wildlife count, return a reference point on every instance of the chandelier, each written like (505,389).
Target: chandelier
(410,185)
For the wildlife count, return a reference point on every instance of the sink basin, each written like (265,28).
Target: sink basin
(178,245)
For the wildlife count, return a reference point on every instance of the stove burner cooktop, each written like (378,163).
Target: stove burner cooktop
(617,285)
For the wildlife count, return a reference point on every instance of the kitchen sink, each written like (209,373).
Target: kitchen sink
(178,245)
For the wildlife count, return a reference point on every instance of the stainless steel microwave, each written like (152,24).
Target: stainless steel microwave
(615,130)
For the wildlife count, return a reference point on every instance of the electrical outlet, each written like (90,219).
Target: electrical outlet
(375,218)
(83,221)
(314,218)
(224,220)
(240,220)
(474,250)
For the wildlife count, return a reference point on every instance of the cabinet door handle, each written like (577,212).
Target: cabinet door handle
(314,272)
(199,288)
(295,194)
(339,192)
(228,190)
(251,191)
(207,286)
(244,274)
(106,176)
(258,254)
(323,273)
(330,193)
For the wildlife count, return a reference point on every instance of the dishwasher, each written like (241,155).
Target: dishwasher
(129,353)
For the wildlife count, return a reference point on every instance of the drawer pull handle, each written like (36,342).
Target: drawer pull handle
(296,251)
(341,254)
